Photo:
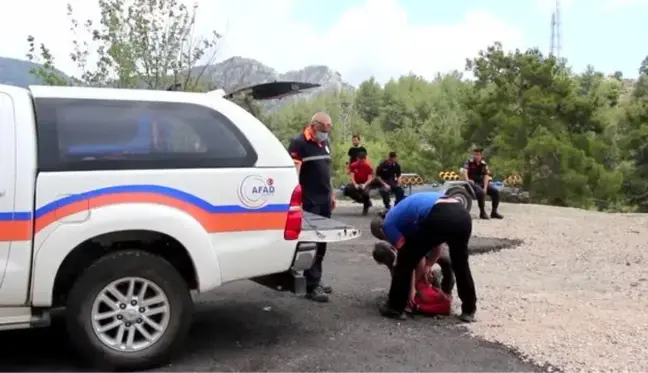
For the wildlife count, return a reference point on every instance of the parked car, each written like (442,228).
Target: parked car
(116,203)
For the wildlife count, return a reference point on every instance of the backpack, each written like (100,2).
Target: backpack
(431,301)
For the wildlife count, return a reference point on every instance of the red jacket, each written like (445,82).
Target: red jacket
(361,171)
(431,301)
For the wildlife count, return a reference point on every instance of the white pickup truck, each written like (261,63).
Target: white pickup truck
(115,204)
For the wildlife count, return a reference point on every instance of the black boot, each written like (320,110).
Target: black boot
(496,215)
(365,208)
(318,294)
(483,215)
(387,311)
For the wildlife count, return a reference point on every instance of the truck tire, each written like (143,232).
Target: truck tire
(461,195)
(130,310)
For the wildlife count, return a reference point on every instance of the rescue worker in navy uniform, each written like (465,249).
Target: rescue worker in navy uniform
(311,154)
(476,170)
(388,174)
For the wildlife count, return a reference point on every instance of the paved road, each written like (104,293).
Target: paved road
(246,327)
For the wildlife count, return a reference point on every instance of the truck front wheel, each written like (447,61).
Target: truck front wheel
(130,310)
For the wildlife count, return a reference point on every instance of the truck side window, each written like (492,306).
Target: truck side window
(86,134)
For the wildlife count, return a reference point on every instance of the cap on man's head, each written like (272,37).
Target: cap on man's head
(478,149)
(392,154)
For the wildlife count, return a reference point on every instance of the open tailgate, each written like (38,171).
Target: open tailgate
(272,90)
(317,228)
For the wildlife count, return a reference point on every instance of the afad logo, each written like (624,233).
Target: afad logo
(255,191)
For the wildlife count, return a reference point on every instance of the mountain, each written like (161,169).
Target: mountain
(231,74)
(238,72)
(17,72)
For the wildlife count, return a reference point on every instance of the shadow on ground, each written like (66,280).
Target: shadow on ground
(245,327)
(484,245)
(232,328)
(477,245)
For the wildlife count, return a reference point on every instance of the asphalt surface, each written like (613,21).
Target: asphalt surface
(246,327)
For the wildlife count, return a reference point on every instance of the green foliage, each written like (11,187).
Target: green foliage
(137,44)
(643,68)
(46,73)
(576,139)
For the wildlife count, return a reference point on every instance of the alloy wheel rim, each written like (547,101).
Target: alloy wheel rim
(130,314)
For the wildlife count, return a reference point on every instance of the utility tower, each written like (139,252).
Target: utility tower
(556,34)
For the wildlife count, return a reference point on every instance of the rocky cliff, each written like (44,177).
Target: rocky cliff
(239,72)
(231,74)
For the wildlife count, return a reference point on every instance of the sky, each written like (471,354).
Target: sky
(380,38)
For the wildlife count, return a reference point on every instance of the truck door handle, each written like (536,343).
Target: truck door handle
(2,193)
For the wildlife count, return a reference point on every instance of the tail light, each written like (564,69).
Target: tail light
(294,219)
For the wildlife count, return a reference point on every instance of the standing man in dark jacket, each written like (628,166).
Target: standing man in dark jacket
(356,149)
(476,170)
(388,174)
(311,153)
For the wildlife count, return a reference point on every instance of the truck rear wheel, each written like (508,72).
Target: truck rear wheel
(461,195)
(130,310)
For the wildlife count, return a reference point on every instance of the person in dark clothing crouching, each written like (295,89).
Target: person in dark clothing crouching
(388,174)
(418,224)
(476,170)
(361,175)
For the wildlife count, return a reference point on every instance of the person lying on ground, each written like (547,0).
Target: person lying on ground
(415,226)
(426,296)
(384,253)
(360,178)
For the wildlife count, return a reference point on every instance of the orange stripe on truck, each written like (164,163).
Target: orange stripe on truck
(17,226)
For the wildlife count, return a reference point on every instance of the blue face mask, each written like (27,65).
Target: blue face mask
(321,136)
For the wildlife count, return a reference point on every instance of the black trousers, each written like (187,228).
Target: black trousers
(397,190)
(313,275)
(446,222)
(360,195)
(481,196)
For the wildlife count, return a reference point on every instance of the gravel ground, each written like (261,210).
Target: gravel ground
(574,295)
(246,327)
